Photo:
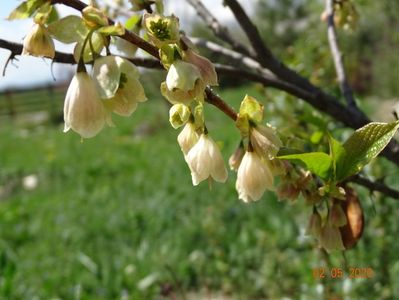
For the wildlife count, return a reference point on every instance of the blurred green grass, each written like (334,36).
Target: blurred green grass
(116,217)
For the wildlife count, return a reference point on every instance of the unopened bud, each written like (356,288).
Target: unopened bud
(94,17)
(179,114)
(352,231)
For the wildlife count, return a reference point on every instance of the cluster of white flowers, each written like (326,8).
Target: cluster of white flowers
(114,86)
(89,101)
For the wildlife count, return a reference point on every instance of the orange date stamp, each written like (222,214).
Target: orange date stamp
(341,273)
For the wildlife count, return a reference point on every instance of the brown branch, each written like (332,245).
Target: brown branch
(128,36)
(215,100)
(350,116)
(375,186)
(219,30)
(264,55)
(337,55)
(238,58)
(66,58)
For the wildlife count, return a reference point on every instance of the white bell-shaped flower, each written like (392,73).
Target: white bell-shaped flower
(187,138)
(182,76)
(253,177)
(84,112)
(205,160)
(38,42)
(118,82)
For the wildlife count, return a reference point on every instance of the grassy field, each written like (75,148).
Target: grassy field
(116,217)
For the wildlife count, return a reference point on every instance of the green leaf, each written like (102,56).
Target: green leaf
(25,9)
(364,145)
(159,7)
(43,13)
(337,152)
(54,16)
(316,137)
(132,22)
(68,30)
(319,163)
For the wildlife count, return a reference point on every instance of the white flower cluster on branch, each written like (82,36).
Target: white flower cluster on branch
(114,87)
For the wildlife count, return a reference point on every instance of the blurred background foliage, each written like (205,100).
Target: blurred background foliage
(116,217)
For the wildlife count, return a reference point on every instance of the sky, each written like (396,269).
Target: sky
(31,71)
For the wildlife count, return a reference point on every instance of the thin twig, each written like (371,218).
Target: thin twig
(264,55)
(375,186)
(66,58)
(337,55)
(10,58)
(218,29)
(238,58)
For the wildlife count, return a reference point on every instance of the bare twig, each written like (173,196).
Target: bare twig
(67,58)
(238,58)
(219,30)
(264,55)
(128,36)
(215,100)
(337,55)
(375,186)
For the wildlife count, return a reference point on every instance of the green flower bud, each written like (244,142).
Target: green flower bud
(93,17)
(250,111)
(179,114)
(38,42)
(178,96)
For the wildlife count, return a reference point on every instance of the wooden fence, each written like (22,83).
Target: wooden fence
(47,99)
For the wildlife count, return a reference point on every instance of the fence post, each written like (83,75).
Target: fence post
(10,104)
